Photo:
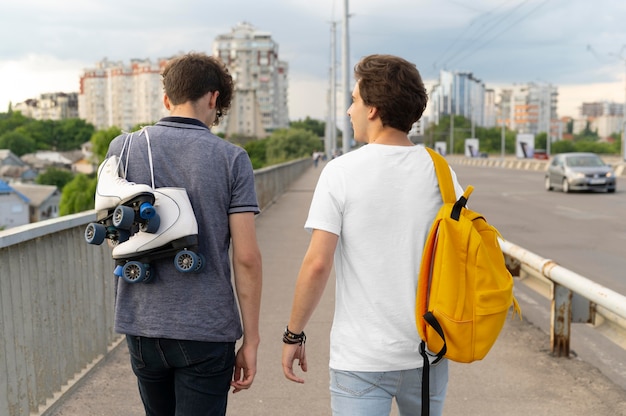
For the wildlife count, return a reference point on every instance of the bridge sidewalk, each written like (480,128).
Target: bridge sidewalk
(519,376)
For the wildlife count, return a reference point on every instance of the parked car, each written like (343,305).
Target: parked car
(541,154)
(579,171)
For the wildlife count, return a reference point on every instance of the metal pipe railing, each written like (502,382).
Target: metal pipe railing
(567,286)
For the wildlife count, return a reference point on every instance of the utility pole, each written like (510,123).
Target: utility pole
(331,129)
(345,67)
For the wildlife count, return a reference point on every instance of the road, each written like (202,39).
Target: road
(583,232)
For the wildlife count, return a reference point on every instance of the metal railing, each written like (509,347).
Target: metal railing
(57,299)
(574,298)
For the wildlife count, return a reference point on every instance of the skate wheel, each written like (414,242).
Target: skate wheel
(147,211)
(122,235)
(134,272)
(118,271)
(95,233)
(201,263)
(186,261)
(149,275)
(123,217)
(152,226)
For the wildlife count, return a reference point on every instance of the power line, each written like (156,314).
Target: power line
(462,34)
(467,52)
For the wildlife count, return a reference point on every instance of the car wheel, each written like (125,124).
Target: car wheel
(565,185)
(548,184)
(611,190)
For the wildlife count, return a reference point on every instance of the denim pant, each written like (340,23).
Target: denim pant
(182,378)
(356,393)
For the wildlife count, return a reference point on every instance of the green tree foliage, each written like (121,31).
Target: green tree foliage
(60,135)
(78,195)
(70,134)
(17,142)
(257,151)
(101,139)
(288,144)
(56,177)
(490,138)
(315,126)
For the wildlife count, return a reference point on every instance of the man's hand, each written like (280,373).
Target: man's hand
(245,368)
(291,353)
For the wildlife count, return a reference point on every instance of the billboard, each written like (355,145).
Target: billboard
(441,148)
(471,147)
(525,146)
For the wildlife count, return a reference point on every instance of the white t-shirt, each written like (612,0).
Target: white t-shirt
(381,201)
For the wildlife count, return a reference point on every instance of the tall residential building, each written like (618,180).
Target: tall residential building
(122,95)
(460,93)
(531,108)
(260,101)
(604,117)
(50,106)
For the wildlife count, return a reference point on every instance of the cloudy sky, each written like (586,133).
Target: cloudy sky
(577,45)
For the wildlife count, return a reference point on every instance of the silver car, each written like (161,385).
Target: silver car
(579,172)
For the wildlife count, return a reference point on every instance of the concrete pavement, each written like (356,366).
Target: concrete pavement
(518,377)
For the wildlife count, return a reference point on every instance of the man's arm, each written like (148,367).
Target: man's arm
(247,269)
(312,279)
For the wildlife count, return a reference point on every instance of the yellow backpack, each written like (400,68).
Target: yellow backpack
(464,289)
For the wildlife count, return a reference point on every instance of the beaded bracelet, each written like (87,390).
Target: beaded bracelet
(293,338)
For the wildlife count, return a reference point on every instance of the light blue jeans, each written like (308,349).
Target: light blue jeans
(356,393)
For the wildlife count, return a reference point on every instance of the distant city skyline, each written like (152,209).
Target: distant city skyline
(579,47)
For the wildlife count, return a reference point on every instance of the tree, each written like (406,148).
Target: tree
(288,144)
(78,195)
(56,177)
(71,133)
(101,140)
(257,151)
(315,126)
(18,142)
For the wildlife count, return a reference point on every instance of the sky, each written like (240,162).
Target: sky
(579,46)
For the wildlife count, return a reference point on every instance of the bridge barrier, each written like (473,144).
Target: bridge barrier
(511,162)
(574,298)
(56,302)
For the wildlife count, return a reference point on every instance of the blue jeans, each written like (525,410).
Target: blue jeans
(182,378)
(357,393)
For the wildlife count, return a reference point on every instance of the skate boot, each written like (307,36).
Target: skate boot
(177,235)
(123,207)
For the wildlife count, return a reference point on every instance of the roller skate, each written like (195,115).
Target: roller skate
(177,235)
(122,207)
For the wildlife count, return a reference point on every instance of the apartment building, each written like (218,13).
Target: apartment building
(461,94)
(261,81)
(122,95)
(531,109)
(603,117)
(50,106)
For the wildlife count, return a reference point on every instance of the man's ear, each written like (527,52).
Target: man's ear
(213,101)
(166,102)
(372,113)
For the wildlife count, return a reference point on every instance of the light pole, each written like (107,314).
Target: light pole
(345,63)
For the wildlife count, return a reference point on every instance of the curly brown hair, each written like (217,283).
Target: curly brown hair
(395,87)
(191,76)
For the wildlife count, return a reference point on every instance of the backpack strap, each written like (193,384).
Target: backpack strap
(444,177)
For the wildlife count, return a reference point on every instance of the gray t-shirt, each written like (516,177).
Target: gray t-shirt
(219,180)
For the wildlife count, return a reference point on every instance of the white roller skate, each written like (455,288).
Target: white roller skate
(123,207)
(177,234)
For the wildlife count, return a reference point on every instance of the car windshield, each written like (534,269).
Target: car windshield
(584,161)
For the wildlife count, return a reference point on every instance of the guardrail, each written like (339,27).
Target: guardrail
(511,162)
(574,298)
(56,302)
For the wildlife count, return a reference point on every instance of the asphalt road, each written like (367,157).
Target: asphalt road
(583,232)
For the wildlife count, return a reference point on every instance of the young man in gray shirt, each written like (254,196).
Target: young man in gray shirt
(181,328)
